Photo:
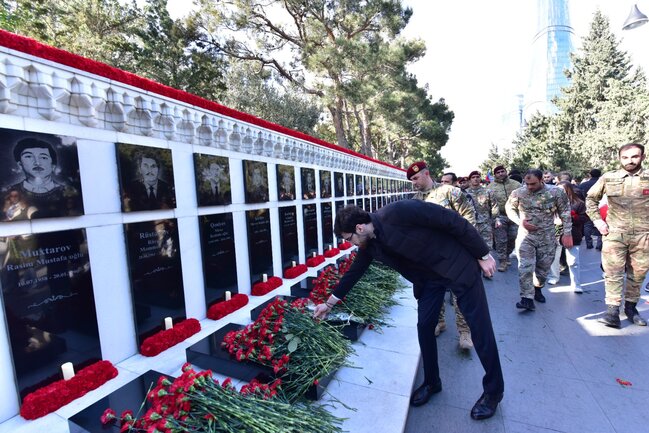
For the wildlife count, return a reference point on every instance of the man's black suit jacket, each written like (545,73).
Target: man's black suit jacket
(422,241)
(139,196)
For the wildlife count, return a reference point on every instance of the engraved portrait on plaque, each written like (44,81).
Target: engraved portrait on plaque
(255,175)
(308,182)
(325,184)
(212,180)
(285,182)
(39,176)
(339,184)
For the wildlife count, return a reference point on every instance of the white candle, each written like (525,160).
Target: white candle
(314,254)
(293,263)
(68,370)
(330,247)
(169,323)
(228,295)
(264,278)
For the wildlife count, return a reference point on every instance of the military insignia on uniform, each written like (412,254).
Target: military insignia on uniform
(415,168)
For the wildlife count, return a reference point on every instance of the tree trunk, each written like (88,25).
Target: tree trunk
(336,116)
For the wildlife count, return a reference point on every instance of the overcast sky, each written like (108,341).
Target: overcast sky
(477,60)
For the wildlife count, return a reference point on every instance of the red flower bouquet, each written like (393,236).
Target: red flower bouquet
(58,394)
(331,253)
(222,309)
(295,271)
(312,262)
(163,340)
(345,246)
(261,288)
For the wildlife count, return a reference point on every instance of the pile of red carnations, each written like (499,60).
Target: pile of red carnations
(312,262)
(295,271)
(333,252)
(222,309)
(196,402)
(163,340)
(58,394)
(286,337)
(261,288)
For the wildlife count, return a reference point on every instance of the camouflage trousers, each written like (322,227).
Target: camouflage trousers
(486,231)
(505,238)
(460,322)
(624,254)
(535,255)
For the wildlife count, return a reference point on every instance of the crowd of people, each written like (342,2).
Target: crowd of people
(444,240)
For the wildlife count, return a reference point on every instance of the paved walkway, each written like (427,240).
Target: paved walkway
(560,366)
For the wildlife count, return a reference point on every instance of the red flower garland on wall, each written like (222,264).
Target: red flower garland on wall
(345,246)
(222,309)
(312,262)
(56,395)
(332,252)
(261,288)
(295,271)
(163,340)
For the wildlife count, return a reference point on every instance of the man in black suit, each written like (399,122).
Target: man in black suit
(435,249)
(589,229)
(148,192)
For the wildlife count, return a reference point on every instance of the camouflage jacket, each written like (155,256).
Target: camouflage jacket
(628,201)
(539,208)
(449,197)
(502,190)
(486,206)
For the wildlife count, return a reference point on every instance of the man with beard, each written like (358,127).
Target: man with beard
(505,230)
(449,197)
(434,248)
(148,192)
(625,250)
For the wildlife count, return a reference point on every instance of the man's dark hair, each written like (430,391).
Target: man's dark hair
(534,172)
(629,146)
(145,154)
(595,172)
(348,217)
(453,176)
(565,174)
(27,143)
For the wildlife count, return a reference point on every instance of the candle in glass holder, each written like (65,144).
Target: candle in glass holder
(293,263)
(264,278)
(169,323)
(314,254)
(228,295)
(68,370)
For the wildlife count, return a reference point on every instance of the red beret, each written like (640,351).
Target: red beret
(415,168)
(474,173)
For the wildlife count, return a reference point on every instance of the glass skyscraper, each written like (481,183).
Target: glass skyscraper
(550,56)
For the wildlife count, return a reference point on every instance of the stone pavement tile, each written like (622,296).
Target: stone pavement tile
(377,369)
(519,427)
(403,315)
(625,407)
(399,340)
(368,410)
(51,423)
(450,419)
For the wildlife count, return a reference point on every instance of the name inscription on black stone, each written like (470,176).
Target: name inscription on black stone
(327,224)
(260,247)
(219,256)
(288,235)
(310,228)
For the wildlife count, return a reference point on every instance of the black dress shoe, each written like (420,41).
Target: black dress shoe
(422,394)
(486,406)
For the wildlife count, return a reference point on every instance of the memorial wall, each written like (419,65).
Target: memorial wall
(126,202)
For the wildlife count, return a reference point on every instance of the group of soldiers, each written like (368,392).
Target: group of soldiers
(524,217)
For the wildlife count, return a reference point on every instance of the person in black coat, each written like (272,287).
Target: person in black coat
(434,248)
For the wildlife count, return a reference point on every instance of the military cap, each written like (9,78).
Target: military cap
(498,168)
(415,168)
(474,173)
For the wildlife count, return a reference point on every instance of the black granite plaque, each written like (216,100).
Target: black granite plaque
(212,180)
(327,225)
(255,176)
(359,202)
(49,305)
(366,204)
(308,182)
(146,178)
(285,182)
(156,274)
(350,184)
(325,184)
(310,229)
(339,184)
(366,184)
(128,397)
(219,256)
(288,235)
(39,176)
(351,201)
(260,245)
(374,204)
(339,205)
(358,181)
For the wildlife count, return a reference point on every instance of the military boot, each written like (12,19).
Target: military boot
(633,315)
(526,304)
(612,317)
(503,266)
(538,295)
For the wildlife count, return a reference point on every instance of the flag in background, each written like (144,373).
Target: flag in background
(489,177)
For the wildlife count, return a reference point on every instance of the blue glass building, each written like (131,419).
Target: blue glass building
(550,56)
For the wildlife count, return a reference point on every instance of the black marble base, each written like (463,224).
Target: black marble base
(209,355)
(303,288)
(255,312)
(128,397)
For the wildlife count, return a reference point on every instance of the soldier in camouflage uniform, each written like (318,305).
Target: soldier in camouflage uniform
(505,230)
(486,208)
(625,232)
(452,198)
(533,207)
